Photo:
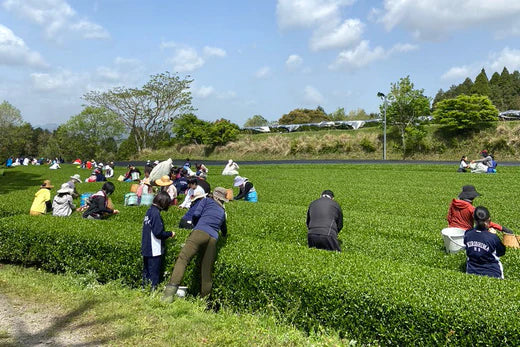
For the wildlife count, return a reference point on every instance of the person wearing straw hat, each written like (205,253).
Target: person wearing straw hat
(42,200)
(167,186)
(72,185)
(186,221)
(208,217)
(461,210)
(62,205)
(324,222)
(483,247)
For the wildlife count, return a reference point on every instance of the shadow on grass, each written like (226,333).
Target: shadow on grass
(18,180)
(66,323)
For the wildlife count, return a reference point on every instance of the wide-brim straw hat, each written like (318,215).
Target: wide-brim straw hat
(47,184)
(164,181)
(220,194)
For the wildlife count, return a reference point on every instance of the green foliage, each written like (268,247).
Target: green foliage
(465,113)
(90,134)
(188,129)
(405,105)
(147,111)
(503,89)
(392,285)
(304,115)
(256,121)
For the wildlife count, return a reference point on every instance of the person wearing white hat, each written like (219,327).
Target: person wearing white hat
(231,168)
(72,184)
(247,190)
(62,205)
(209,217)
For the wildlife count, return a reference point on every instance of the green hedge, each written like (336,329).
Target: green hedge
(369,299)
(392,285)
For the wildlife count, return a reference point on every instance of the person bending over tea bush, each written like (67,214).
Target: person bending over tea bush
(99,203)
(246,189)
(460,212)
(209,217)
(152,239)
(483,247)
(324,222)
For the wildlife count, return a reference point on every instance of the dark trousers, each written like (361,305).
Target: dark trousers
(152,270)
(197,242)
(327,242)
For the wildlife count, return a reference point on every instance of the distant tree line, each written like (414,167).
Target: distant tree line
(502,89)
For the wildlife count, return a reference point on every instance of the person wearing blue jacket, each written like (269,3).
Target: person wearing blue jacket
(186,221)
(152,239)
(483,247)
(208,217)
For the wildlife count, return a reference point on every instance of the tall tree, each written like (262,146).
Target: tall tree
(338,115)
(149,110)
(13,132)
(405,105)
(91,134)
(256,121)
(304,115)
(481,85)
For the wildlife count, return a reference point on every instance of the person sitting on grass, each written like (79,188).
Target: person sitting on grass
(42,200)
(62,205)
(72,185)
(152,239)
(99,203)
(461,210)
(483,247)
(463,164)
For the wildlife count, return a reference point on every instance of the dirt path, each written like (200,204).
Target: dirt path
(23,324)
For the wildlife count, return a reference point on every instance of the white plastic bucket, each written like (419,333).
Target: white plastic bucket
(453,239)
(181,291)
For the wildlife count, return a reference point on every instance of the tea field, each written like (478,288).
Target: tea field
(392,284)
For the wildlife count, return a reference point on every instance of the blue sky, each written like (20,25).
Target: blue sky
(248,57)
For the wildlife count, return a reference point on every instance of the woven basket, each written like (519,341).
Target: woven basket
(511,241)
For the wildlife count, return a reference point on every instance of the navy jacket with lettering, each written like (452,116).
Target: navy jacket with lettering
(483,250)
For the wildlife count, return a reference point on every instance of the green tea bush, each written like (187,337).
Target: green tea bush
(393,284)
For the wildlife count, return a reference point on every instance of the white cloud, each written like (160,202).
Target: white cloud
(337,36)
(204,92)
(57,17)
(363,55)
(509,58)
(214,51)
(307,13)
(263,72)
(457,73)
(229,94)
(434,19)
(61,81)
(168,44)
(124,71)
(312,96)
(186,60)
(324,17)
(14,51)
(293,62)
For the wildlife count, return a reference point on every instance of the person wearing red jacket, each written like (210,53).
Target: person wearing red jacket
(460,213)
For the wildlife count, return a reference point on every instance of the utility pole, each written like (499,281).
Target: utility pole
(383,96)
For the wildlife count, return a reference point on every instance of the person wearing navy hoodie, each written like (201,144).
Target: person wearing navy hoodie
(483,247)
(152,240)
(208,217)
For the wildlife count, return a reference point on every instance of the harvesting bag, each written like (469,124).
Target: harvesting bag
(133,188)
(146,200)
(131,199)
(229,194)
(511,241)
(83,199)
